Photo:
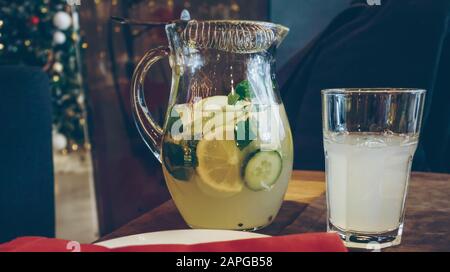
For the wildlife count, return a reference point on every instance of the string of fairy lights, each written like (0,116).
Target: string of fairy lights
(45,33)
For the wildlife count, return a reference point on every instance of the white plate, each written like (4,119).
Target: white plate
(186,237)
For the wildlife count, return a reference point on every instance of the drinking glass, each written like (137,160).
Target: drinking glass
(370,137)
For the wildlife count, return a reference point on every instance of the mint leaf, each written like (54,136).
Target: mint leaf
(243,134)
(243,92)
(180,159)
(243,89)
(174,117)
(233,99)
(192,158)
(173,154)
(181,173)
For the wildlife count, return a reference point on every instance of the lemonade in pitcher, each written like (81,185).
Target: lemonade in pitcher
(226,145)
(227,165)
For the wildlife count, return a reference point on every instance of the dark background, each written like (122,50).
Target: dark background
(305,18)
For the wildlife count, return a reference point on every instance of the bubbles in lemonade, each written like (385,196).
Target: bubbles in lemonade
(367,175)
(227,164)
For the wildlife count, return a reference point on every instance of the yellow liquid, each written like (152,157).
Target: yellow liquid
(245,210)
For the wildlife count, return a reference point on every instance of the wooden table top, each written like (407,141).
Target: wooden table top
(427,224)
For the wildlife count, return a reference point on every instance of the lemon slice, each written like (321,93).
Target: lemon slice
(211,102)
(219,166)
(213,112)
(203,110)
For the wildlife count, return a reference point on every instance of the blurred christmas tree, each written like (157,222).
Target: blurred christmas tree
(45,33)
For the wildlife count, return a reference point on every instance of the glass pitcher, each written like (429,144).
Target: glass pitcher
(226,145)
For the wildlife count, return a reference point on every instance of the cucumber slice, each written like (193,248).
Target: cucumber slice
(179,159)
(262,170)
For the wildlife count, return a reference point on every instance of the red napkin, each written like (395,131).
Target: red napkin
(313,242)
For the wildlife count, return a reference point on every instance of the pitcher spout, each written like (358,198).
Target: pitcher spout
(282,32)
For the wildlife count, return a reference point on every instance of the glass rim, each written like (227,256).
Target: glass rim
(373,91)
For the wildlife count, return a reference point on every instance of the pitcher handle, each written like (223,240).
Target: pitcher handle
(150,131)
